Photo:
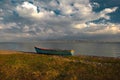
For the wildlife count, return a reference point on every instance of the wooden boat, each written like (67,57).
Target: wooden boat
(54,52)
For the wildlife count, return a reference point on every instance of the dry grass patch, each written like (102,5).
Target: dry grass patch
(24,66)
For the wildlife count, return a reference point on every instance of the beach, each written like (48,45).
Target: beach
(9,52)
(18,65)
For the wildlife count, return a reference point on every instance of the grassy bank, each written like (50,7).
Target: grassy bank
(23,66)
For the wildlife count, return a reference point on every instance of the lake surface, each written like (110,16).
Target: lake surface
(81,48)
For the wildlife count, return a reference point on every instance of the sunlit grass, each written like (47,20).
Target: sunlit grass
(25,66)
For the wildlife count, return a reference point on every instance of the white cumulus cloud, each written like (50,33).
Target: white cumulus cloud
(108,28)
(44,19)
(29,10)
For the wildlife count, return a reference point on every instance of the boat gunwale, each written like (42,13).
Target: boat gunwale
(52,49)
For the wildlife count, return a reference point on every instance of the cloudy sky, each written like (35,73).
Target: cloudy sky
(33,20)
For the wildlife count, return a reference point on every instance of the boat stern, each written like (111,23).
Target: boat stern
(72,52)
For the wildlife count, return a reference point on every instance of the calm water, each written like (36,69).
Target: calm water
(81,48)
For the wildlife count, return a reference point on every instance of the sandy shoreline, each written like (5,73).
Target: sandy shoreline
(22,52)
(9,52)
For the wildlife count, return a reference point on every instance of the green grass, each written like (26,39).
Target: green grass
(48,67)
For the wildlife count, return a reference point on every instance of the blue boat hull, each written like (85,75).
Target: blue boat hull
(54,52)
